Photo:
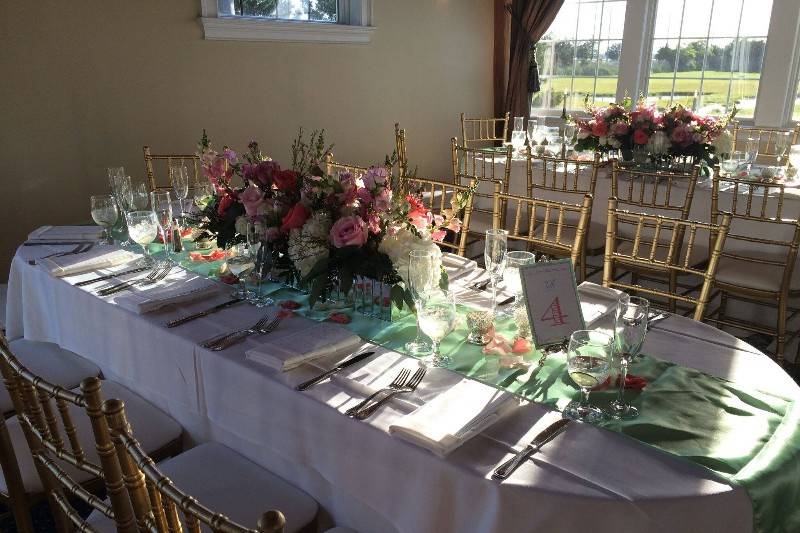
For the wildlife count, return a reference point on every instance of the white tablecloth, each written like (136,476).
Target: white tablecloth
(588,480)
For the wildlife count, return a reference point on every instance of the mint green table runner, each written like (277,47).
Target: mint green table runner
(748,437)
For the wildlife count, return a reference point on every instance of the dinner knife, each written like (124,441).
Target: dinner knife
(187,318)
(325,375)
(109,276)
(505,469)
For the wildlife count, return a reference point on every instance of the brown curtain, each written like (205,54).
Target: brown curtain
(529,20)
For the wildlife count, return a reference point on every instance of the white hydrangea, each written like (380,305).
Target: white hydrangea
(310,243)
(658,144)
(398,246)
(724,143)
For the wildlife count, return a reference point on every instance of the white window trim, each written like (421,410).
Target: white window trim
(357,14)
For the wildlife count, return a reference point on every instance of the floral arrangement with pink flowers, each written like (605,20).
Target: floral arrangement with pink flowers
(322,230)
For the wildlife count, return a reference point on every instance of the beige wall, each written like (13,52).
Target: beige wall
(81,90)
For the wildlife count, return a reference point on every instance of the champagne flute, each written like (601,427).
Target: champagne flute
(782,141)
(105,213)
(751,150)
(630,328)
(511,278)
(518,134)
(794,155)
(421,279)
(121,189)
(262,256)
(437,318)
(240,264)
(179,179)
(588,364)
(533,125)
(494,258)
(140,196)
(161,205)
(143,229)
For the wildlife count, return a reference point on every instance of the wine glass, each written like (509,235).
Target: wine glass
(422,277)
(140,196)
(143,229)
(261,254)
(203,193)
(121,189)
(511,278)
(630,328)
(105,213)
(240,263)
(179,179)
(533,125)
(794,155)
(731,165)
(518,134)
(161,204)
(494,258)
(437,318)
(782,141)
(569,132)
(751,150)
(588,364)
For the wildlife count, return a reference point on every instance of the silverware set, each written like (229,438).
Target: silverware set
(159,272)
(205,312)
(262,327)
(110,276)
(401,385)
(78,249)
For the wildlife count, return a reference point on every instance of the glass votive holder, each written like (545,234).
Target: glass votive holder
(479,326)
(521,321)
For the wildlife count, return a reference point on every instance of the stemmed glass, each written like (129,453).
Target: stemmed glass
(143,229)
(240,263)
(140,196)
(518,134)
(179,178)
(588,364)
(494,258)
(794,155)
(261,254)
(513,283)
(782,141)
(533,125)
(105,214)
(422,277)
(121,189)
(569,137)
(161,204)
(751,151)
(733,162)
(630,328)
(437,318)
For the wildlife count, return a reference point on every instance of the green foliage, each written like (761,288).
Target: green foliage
(256,8)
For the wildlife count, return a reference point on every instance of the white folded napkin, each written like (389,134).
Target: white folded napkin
(95,259)
(455,416)
(66,233)
(295,347)
(181,286)
(597,301)
(457,266)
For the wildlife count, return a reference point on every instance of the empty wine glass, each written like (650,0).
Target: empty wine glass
(494,258)
(437,318)
(518,134)
(731,165)
(140,196)
(179,179)
(261,254)
(161,205)
(794,155)
(533,125)
(588,364)
(143,229)
(240,263)
(105,213)
(751,150)
(782,141)
(630,328)
(121,189)
(569,132)
(511,278)
(422,277)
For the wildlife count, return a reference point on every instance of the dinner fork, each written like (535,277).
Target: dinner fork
(410,386)
(398,382)
(158,273)
(261,330)
(79,249)
(211,341)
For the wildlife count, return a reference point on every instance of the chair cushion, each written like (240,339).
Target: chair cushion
(731,271)
(154,429)
(53,363)
(227,483)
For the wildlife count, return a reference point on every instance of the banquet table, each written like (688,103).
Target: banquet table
(587,479)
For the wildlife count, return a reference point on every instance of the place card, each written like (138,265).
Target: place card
(551,295)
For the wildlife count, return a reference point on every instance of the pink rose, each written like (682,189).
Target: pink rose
(364,196)
(349,231)
(383,200)
(681,136)
(252,198)
(640,137)
(420,218)
(600,129)
(620,128)
(375,176)
(373,223)
(265,171)
(438,235)
(454,225)
(295,218)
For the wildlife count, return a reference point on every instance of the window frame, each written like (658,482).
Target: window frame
(354,25)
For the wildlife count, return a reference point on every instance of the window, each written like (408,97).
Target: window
(708,54)
(580,53)
(796,104)
(309,10)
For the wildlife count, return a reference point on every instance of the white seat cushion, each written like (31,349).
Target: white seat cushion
(227,483)
(53,363)
(754,275)
(154,429)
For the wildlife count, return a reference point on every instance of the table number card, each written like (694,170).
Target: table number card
(551,293)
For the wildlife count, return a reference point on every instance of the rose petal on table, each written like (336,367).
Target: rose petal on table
(521,345)
(290,304)
(285,313)
(339,318)
(229,279)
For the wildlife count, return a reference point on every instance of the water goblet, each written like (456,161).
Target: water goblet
(240,263)
(105,213)
(161,205)
(422,277)
(630,328)
(179,179)
(494,258)
(731,165)
(588,364)
(511,278)
(143,229)
(437,318)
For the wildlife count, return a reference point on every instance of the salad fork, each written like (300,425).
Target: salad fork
(158,273)
(398,382)
(410,386)
(216,339)
(261,330)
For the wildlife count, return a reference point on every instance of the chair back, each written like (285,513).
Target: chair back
(400,148)
(758,217)
(484,132)
(772,142)
(446,199)
(157,503)
(544,224)
(559,176)
(333,167)
(169,160)
(43,410)
(482,166)
(645,252)
(654,192)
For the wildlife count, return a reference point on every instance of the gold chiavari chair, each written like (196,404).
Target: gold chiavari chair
(400,148)
(549,215)
(71,453)
(558,178)
(645,253)
(169,159)
(481,165)
(441,197)
(332,167)
(166,498)
(655,193)
(758,263)
(768,140)
(483,132)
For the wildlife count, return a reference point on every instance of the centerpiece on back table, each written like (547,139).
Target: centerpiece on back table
(324,232)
